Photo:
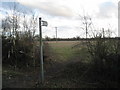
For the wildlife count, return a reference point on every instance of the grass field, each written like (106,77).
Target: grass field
(65,72)
(65,50)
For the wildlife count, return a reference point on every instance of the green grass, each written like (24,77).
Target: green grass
(63,49)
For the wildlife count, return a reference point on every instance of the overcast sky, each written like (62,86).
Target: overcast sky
(65,14)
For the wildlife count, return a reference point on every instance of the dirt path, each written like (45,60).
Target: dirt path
(54,71)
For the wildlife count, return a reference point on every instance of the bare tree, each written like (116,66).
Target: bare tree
(86,21)
(11,26)
(6,26)
(21,27)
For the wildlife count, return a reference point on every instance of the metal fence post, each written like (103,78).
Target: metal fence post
(41,52)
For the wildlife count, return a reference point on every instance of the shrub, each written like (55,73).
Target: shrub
(105,54)
(17,51)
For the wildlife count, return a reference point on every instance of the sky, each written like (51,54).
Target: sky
(65,15)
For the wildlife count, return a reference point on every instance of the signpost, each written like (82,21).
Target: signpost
(41,23)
